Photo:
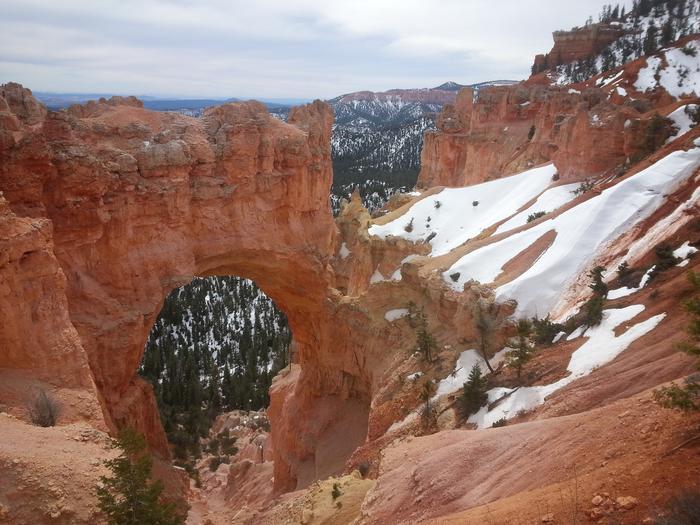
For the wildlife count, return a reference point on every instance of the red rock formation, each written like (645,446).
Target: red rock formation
(110,206)
(510,129)
(580,42)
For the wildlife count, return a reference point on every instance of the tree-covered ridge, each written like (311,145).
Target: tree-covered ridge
(649,26)
(215,346)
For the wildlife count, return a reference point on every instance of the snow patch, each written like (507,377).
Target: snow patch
(377,277)
(455,219)
(551,200)
(463,366)
(682,121)
(393,315)
(344,252)
(581,232)
(601,348)
(625,291)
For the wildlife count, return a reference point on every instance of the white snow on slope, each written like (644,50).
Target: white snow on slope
(601,348)
(625,290)
(682,121)
(463,367)
(663,229)
(344,251)
(377,277)
(393,315)
(683,252)
(581,232)
(457,219)
(679,77)
(549,201)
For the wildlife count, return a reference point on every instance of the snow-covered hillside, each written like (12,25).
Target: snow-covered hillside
(566,245)
(647,28)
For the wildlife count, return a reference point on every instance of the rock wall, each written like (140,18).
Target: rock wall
(512,128)
(579,43)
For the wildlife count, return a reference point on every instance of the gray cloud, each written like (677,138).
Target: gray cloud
(273,48)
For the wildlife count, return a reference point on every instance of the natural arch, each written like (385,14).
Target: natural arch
(116,206)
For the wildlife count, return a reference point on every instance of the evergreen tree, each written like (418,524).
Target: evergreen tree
(425,342)
(523,351)
(650,45)
(593,309)
(597,284)
(474,394)
(128,496)
(667,33)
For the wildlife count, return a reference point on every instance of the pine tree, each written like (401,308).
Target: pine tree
(667,33)
(474,394)
(425,342)
(524,350)
(597,284)
(593,309)
(650,45)
(128,496)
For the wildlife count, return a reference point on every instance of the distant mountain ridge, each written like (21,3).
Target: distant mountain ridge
(378,136)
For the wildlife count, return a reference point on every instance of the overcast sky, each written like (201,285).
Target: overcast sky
(273,48)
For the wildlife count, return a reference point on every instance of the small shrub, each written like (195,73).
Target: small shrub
(689,50)
(531,133)
(693,111)
(658,129)
(455,276)
(623,270)
(44,409)
(431,236)
(409,227)
(664,259)
(536,215)
(545,330)
(584,187)
(214,463)
(336,493)
(685,398)
(229,449)
(500,423)
(363,467)
(437,205)
(214,446)
(475,203)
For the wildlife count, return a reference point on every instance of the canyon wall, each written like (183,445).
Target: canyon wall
(512,128)
(577,44)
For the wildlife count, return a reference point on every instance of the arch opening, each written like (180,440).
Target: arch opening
(215,347)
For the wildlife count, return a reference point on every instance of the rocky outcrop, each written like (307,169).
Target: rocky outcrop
(510,129)
(107,207)
(579,43)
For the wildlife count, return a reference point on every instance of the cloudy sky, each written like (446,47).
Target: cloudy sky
(273,48)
